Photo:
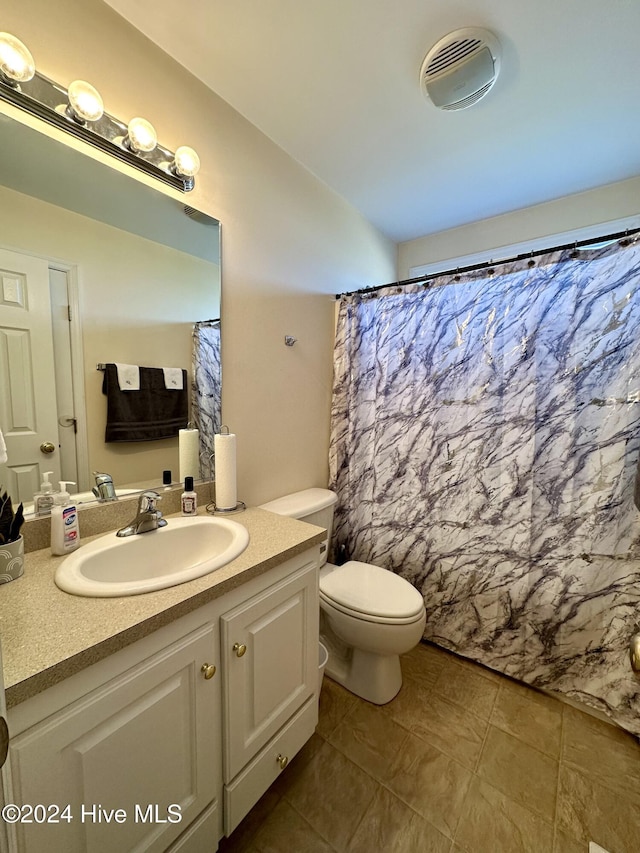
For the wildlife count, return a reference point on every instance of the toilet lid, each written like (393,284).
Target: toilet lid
(371,590)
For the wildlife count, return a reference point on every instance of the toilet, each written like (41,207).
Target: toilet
(369,616)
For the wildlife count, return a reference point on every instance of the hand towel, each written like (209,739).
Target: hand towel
(3,449)
(173,378)
(128,377)
(149,414)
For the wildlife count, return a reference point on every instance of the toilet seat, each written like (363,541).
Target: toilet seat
(371,593)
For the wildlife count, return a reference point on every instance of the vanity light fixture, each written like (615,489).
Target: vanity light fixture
(85,103)
(79,111)
(141,136)
(186,162)
(16,63)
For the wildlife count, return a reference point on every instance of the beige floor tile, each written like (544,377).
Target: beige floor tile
(530,716)
(565,844)
(333,794)
(430,782)
(467,688)
(604,752)
(285,831)
(335,703)
(493,822)
(438,721)
(485,671)
(289,777)
(390,825)
(398,778)
(240,840)
(589,811)
(521,772)
(423,664)
(370,739)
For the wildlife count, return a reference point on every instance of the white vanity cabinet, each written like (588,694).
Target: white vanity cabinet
(137,732)
(269,649)
(150,745)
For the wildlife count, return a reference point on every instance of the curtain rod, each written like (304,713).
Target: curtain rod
(619,235)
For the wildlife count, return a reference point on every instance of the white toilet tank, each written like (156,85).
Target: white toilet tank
(312,505)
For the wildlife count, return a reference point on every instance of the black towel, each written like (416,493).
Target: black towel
(149,414)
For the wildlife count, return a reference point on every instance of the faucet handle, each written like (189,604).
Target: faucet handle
(148,501)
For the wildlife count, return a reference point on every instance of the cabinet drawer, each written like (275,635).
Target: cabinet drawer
(247,788)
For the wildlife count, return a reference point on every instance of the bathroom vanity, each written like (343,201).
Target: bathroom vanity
(155,722)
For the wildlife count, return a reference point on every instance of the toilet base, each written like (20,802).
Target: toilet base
(376,678)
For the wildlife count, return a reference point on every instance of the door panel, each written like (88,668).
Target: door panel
(28,414)
(270,644)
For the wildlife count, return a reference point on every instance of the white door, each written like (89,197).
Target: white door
(28,413)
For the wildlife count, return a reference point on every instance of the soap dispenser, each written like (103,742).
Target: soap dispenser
(44,499)
(65,531)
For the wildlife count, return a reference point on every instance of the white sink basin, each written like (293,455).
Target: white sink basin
(185,549)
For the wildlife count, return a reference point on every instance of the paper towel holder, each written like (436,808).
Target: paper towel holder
(211,507)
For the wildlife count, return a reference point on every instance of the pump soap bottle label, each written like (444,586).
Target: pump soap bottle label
(70,527)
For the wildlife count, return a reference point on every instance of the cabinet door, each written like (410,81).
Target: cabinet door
(143,743)
(270,654)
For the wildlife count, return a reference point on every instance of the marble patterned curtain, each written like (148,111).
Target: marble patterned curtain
(206,391)
(485,439)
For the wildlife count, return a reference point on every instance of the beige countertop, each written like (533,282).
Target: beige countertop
(48,635)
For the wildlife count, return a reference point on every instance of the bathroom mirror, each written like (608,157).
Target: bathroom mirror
(95,267)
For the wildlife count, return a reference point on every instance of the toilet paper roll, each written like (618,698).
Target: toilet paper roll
(189,453)
(224,447)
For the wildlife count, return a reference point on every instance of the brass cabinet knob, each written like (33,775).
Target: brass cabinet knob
(47,447)
(282,761)
(239,649)
(208,670)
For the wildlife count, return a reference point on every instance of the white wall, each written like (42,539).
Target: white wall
(288,242)
(587,210)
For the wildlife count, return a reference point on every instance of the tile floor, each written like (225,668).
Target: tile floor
(463,760)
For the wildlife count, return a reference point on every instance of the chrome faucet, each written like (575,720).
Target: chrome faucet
(148,517)
(104,489)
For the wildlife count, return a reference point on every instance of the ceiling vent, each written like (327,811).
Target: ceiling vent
(461,68)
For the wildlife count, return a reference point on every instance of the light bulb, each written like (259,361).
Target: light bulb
(141,135)
(16,63)
(186,162)
(85,102)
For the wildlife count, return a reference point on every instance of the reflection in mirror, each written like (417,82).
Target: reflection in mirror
(95,267)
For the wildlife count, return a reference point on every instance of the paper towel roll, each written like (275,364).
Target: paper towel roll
(224,447)
(189,453)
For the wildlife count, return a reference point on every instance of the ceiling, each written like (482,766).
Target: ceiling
(335,83)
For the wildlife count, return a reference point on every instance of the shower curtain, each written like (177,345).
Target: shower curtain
(485,439)
(206,391)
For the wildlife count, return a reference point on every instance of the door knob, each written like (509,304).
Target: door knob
(282,761)
(47,447)
(208,670)
(239,649)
